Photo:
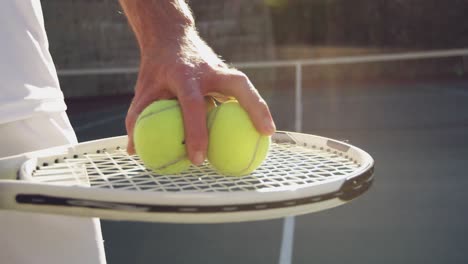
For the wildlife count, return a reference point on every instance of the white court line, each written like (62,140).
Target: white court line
(287,243)
(99,122)
(287,240)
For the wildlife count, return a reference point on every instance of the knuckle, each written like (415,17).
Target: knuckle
(182,69)
(208,77)
(177,74)
(259,107)
(262,104)
(190,95)
(240,77)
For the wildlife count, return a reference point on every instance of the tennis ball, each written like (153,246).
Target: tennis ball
(235,147)
(159,138)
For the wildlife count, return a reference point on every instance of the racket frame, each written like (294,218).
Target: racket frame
(181,207)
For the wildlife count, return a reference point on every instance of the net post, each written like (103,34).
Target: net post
(298,98)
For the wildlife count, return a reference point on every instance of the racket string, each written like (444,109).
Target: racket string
(287,166)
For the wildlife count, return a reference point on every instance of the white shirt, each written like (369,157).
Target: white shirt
(28,78)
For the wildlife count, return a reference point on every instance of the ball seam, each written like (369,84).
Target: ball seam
(149,114)
(212,120)
(179,159)
(253,156)
(155,112)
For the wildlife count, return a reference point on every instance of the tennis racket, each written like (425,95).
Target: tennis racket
(302,174)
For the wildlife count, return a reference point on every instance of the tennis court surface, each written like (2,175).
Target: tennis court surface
(414,213)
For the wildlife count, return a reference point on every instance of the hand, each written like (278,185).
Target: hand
(189,73)
(177,63)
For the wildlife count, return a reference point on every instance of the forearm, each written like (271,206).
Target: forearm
(159,24)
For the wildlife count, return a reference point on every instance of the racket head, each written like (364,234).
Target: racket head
(302,174)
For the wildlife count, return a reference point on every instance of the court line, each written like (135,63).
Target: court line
(287,243)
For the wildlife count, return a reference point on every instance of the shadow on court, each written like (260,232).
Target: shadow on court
(415,212)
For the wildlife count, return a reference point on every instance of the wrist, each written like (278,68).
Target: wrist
(169,42)
(158,23)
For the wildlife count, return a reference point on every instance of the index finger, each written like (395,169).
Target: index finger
(234,83)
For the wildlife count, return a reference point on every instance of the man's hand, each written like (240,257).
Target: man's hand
(176,63)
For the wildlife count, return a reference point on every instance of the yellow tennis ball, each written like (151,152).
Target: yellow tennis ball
(235,147)
(160,139)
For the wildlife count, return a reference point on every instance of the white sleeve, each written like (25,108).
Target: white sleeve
(29,82)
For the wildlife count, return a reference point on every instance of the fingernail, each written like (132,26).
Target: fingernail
(198,158)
